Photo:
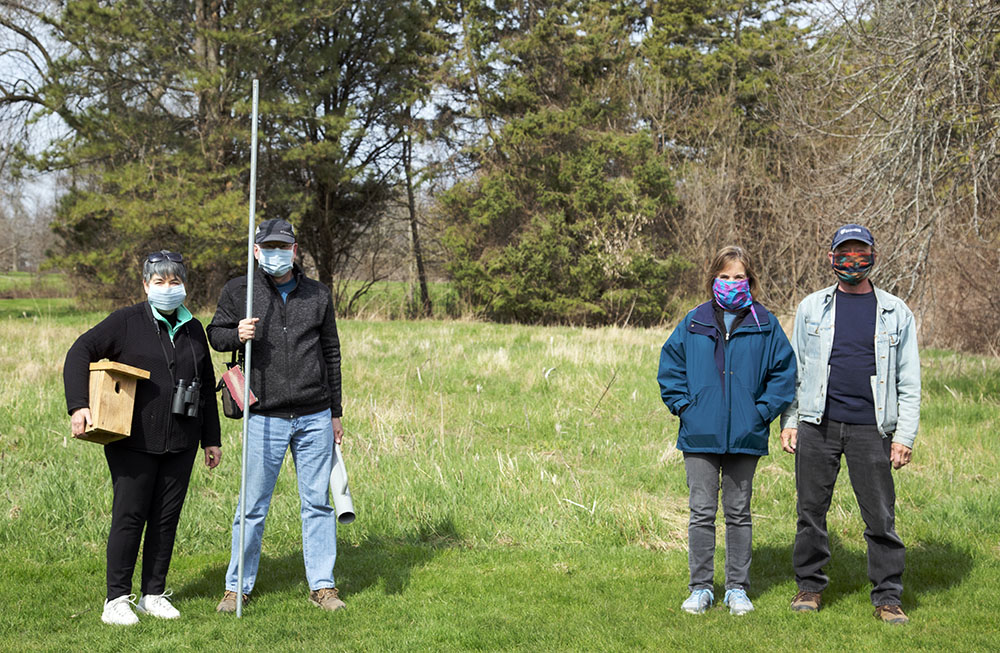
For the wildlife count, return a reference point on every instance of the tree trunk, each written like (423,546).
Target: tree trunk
(418,257)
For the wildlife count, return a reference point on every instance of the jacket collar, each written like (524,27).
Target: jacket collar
(268,280)
(705,313)
(882,298)
(183,316)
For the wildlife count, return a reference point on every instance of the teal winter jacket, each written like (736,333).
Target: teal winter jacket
(726,390)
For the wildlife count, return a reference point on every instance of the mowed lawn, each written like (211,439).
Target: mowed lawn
(517,488)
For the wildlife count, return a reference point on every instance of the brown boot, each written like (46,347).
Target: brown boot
(807,602)
(228,602)
(326,598)
(891,614)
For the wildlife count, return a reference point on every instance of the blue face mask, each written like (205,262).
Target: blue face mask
(276,262)
(166,298)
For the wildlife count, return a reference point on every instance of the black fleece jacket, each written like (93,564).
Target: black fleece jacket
(132,336)
(295,361)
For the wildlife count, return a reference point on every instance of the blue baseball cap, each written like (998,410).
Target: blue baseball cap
(852,232)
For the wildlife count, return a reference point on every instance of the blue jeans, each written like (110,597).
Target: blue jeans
(311,440)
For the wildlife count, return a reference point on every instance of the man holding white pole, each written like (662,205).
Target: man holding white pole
(296,378)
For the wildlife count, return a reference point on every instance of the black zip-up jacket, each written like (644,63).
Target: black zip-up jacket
(134,337)
(295,361)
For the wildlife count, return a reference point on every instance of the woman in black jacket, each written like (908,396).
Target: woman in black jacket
(151,468)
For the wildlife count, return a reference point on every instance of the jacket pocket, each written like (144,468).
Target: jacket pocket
(747,428)
(703,422)
(813,342)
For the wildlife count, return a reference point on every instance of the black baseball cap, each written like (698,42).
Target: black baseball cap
(274,230)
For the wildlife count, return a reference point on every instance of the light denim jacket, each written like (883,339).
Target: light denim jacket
(896,384)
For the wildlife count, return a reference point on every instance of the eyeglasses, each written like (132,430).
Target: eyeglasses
(156,257)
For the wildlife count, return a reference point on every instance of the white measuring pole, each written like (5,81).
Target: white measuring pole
(246,366)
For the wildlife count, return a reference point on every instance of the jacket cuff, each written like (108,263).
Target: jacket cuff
(905,440)
(764,412)
(233,338)
(75,406)
(224,339)
(789,421)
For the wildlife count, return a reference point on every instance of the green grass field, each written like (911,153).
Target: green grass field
(26,284)
(517,488)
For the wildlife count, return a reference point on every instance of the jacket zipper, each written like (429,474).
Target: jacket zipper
(725,378)
(728,389)
(284,324)
(284,334)
(170,395)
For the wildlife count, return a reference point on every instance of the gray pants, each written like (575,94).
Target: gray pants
(703,471)
(817,463)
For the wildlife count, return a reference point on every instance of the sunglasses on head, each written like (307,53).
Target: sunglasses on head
(156,257)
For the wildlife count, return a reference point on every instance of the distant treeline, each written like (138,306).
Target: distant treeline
(565,161)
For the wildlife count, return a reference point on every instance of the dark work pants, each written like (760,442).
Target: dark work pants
(149,491)
(703,474)
(817,463)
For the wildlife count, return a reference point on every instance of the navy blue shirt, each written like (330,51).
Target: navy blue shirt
(852,360)
(287,287)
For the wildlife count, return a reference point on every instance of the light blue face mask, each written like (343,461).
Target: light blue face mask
(276,262)
(166,298)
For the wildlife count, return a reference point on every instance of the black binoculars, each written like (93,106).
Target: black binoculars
(186,399)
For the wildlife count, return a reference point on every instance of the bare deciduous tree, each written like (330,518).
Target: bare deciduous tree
(900,103)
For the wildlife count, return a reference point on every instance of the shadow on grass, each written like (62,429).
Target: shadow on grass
(390,561)
(376,560)
(931,567)
(772,565)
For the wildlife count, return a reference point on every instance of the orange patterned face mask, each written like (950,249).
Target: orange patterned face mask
(853,267)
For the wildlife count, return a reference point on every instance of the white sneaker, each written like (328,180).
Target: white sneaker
(698,602)
(158,605)
(737,601)
(118,612)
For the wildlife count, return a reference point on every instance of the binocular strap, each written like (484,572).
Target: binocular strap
(194,358)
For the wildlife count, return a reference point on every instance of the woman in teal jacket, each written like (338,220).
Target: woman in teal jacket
(727,371)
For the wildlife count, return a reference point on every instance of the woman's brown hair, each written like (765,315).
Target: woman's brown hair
(724,257)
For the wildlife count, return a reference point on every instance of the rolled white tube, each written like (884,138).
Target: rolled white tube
(342,502)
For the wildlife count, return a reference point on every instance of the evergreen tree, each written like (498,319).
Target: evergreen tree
(561,222)
(152,152)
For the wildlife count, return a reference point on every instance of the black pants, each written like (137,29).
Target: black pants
(817,463)
(149,491)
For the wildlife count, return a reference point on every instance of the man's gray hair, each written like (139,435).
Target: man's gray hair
(164,267)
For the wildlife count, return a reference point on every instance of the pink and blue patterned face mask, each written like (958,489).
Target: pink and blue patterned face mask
(732,295)
(853,267)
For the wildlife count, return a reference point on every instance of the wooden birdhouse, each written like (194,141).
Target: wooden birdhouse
(112,398)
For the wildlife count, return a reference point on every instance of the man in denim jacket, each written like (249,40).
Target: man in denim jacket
(858,395)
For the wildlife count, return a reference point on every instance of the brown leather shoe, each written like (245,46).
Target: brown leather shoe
(326,598)
(228,602)
(891,614)
(807,602)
